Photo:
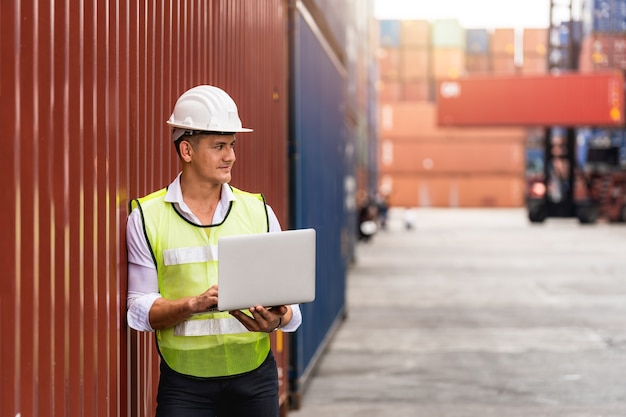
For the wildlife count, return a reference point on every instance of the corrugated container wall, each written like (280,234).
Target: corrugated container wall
(320,139)
(85,89)
(336,17)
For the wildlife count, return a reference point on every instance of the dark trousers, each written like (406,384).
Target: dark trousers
(251,394)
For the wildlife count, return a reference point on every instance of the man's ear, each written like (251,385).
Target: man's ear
(185,150)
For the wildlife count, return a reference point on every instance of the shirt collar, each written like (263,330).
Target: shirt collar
(174,195)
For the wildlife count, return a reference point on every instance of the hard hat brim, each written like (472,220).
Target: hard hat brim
(179,131)
(182,126)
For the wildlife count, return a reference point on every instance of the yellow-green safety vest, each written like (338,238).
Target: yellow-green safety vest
(185,255)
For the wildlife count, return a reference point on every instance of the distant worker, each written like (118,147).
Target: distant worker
(224,366)
(383,210)
(367,216)
(558,184)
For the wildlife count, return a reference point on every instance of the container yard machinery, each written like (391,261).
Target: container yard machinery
(579,169)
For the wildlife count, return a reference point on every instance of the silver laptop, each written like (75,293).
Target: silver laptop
(267,269)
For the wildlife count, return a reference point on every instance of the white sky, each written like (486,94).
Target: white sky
(471,13)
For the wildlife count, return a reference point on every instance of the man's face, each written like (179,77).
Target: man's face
(212,157)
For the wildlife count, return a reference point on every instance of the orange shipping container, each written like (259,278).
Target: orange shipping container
(503,41)
(418,121)
(503,64)
(534,64)
(455,156)
(535,41)
(415,64)
(389,91)
(415,33)
(477,64)
(388,63)
(419,90)
(448,62)
(455,190)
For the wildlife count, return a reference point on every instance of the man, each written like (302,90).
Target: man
(227,368)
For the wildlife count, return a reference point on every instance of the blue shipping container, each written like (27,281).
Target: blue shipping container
(389,33)
(477,41)
(598,138)
(604,16)
(337,16)
(318,141)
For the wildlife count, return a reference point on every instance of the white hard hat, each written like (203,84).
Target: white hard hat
(205,108)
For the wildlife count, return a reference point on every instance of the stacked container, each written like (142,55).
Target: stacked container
(603,48)
(448,43)
(415,73)
(604,29)
(421,164)
(404,61)
(428,166)
(477,51)
(534,59)
(389,88)
(503,51)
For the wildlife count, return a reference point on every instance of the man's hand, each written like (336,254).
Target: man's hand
(168,313)
(263,319)
(205,301)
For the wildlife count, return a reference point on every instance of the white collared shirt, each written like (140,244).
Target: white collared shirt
(143,285)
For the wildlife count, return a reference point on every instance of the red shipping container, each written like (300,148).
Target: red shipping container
(567,99)
(86,88)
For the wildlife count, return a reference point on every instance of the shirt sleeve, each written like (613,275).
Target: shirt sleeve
(143,284)
(296,319)
(274,223)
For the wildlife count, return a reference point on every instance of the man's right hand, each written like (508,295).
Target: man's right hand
(207,301)
(168,313)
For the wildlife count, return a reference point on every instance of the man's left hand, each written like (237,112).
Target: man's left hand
(263,319)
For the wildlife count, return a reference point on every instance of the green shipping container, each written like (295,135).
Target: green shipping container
(447,33)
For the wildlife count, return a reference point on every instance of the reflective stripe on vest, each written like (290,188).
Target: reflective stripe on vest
(212,344)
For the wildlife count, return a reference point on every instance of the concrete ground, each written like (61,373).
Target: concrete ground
(477,313)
